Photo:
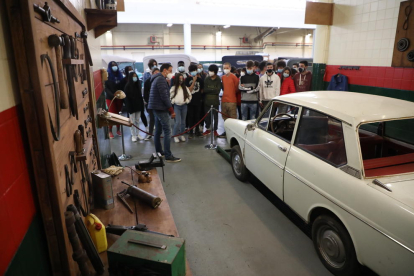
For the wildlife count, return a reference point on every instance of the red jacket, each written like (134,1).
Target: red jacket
(288,86)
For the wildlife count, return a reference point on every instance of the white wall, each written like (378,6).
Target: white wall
(138,34)
(363,32)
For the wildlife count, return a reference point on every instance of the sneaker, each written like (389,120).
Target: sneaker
(118,132)
(134,138)
(207,132)
(148,138)
(191,135)
(182,138)
(176,140)
(111,135)
(223,135)
(173,159)
(140,137)
(216,134)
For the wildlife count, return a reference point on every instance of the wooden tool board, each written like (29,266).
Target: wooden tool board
(30,40)
(405,29)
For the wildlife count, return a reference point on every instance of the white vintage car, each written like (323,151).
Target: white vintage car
(344,162)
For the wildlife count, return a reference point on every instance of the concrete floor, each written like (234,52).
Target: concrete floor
(230,227)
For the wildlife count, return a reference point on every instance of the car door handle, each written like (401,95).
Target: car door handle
(282,148)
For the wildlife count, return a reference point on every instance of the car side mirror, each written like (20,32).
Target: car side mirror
(250,127)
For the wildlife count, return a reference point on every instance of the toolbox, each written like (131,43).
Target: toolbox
(141,253)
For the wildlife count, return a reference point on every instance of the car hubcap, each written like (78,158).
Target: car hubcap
(331,247)
(237,164)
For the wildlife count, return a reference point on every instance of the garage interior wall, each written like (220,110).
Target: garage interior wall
(21,233)
(139,34)
(363,34)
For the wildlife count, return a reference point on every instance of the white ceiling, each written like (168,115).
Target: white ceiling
(254,13)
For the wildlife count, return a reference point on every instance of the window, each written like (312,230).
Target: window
(282,120)
(264,117)
(388,149)
(322,136)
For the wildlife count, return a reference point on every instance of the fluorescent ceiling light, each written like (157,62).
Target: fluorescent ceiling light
(226,26)
(169,24)
(108,31)
(218,33)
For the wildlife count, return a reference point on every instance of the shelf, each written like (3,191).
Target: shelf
(100,20)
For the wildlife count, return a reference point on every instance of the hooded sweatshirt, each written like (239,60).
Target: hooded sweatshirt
(178,99)
(250,89)
(303,82)
(269,87)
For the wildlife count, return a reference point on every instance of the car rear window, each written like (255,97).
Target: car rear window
(387,147)
(321,136)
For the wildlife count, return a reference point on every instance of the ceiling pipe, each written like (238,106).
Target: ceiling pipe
(264,34)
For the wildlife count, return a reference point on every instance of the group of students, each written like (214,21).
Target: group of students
(187,96)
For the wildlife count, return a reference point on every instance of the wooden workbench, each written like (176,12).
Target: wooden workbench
(159,220)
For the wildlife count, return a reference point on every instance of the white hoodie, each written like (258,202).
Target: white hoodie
(179,98)
(269,87)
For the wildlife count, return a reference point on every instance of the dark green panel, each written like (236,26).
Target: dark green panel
(102,134)
(32,257)
(318,72)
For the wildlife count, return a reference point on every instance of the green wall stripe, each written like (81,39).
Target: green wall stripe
(32,257)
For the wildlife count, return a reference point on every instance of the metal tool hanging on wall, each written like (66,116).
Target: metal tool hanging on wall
(46,13)
(55,129)
(67,54)
(56,42)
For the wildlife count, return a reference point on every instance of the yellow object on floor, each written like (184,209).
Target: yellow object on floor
(98,233)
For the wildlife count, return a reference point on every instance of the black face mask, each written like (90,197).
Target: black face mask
(269,70)
(301,69)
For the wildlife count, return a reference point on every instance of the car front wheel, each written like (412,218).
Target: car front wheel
(239,169)
(334,246)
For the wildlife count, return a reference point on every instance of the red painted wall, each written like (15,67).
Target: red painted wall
(377,76)
(17,207)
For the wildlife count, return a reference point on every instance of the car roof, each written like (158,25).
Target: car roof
(353,108)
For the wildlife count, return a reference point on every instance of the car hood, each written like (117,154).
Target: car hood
(402,189)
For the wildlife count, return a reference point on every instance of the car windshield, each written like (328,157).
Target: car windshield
(387,147)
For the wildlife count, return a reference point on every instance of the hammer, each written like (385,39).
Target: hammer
(55,42)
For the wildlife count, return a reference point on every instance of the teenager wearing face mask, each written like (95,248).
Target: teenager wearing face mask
(196,85)
(134,103)
(181,71)
(230,90)
(201,74)
(280,65)
(161,106)
(200,71)
(242,73)
(303,79)
(249,87)
(180,96)
(288,86)
(147,89)
(152,63)
(212,88)
(269,86)
(111,86)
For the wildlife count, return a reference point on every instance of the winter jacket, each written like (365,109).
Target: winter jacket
(269,87)
(212,90)
(303,82)
(250,89)
(159,94)
(147,89)
(288,86)
(178,99)
(338,82)
(146,76)
(133,101)
(110,89)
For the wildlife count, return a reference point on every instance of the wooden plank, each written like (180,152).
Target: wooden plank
(319,13)
(159,220)
(120,5)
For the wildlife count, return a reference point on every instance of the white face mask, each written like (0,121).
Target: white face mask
(210,73)
(226,71)
(169,75)
(242,74)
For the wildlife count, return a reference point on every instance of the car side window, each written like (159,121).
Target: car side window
(264,117)
(321,136)
(283,120)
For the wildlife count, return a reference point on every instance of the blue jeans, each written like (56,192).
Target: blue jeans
(180,116)
(245,107)
(162,124)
